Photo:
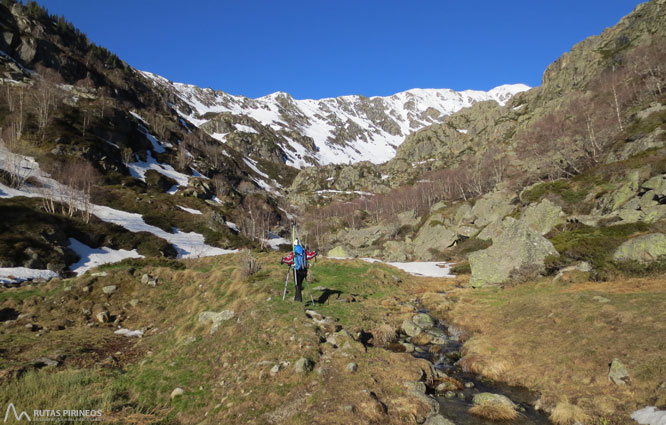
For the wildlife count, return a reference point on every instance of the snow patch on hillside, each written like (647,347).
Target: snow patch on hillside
(649,416)
(138,170)
(21,274)
(188,245)
(93,257)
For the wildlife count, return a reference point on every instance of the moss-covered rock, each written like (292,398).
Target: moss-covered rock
(338,251)
(644,249)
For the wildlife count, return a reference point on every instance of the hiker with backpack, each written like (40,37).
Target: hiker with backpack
(298,261)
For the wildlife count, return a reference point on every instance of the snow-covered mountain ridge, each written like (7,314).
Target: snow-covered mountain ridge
(326,131)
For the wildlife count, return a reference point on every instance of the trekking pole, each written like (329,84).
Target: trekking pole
(309,290)
(286,282)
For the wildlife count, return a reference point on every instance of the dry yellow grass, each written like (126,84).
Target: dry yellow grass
(494,413)
(384,335)
(559,341)
(566,413)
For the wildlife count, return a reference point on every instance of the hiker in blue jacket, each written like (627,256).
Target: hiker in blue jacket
(298,260)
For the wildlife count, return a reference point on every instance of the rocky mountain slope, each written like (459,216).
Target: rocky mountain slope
(91,151)
(309,132)
(582,145)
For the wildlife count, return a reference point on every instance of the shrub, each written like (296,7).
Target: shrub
(461,268)
(248,264)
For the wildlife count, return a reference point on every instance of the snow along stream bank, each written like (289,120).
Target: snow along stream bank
(416,268)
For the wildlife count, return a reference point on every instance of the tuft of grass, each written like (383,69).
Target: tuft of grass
(68,389)
(384,335)
(494,412)
(566,413)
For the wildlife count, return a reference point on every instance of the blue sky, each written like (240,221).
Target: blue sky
(325,48)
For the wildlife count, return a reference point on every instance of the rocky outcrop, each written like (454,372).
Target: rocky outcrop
(644,249)
(517,253)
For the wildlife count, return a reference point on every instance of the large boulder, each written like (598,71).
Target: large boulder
(543,217)
(519,249)
(644,249)
(433,236)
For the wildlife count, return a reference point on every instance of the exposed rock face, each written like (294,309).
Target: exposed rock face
(644,249)
(519,249)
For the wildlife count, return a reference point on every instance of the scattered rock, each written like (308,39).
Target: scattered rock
(409,348)
(423,321)
(134,302)
(448,384)
(45,362)
(100,274)
(483,399)
(618,373)
(644,249)
(415,386)
(600,299)
(410,328)
(147,279)
(108,290)
(102,316)
(177,392)
(438,420)
(215,318)
(276,369)
(351,367)
(303,365)
(577,273)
